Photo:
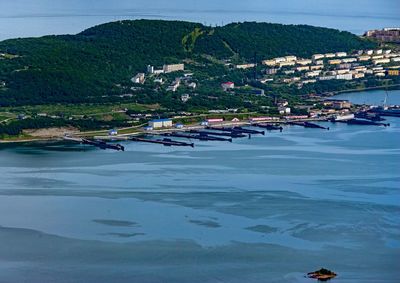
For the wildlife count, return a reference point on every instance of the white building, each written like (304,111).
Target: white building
(381,61)
(290,58)
(160,123)
(150,69)
(344,77)
(304,62)
(341,54)
(139,78)
(349,60)
(185,97)
(228,86)
(173,68)
(330,55)
(245,66)
(317,56)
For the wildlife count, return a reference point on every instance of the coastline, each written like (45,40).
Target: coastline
(389,87)
(89,134)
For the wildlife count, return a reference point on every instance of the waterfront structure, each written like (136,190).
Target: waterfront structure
(173,68)
(160,123)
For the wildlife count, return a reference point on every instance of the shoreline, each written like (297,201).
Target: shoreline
(188,127)
(389,88)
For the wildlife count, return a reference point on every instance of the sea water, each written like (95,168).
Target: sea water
(266,209)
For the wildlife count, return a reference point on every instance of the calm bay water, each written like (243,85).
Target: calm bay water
(22,18)
(268,209)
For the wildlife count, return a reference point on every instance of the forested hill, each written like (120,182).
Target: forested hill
(93,63)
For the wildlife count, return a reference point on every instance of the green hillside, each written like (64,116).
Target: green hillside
(98,63)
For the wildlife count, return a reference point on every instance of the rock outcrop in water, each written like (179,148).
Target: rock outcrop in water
(322,274)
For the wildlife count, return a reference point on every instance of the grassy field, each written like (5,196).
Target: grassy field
(79,109)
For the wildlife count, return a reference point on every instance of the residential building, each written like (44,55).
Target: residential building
(341,54)
(139,78)
(349,60)
(228,86)
(326,78)
(317,56)
(302,68)
(269,62)
(330,55)
(316,67)
(271,71)
(245,66)
(150,69)
(173,68)
(358,76)
(290,58)
(334,62)
(394,72)
(381,61)
(344,77)
(304,62)
(284,63)
(364,58)
(185,97)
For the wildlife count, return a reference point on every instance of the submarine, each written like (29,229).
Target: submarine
(165,142)
(203,137)
(103,145)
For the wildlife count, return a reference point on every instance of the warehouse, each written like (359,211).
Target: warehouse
(160,123)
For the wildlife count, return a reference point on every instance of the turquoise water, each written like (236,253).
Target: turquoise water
(269,209)
(22,18)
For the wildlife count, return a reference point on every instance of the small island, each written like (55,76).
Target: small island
(322,274)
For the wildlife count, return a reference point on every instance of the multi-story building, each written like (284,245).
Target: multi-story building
(385,35)
(173,68)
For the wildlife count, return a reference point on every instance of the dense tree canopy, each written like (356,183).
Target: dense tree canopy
(92,65)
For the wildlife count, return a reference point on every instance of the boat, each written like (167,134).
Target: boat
(337,118)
